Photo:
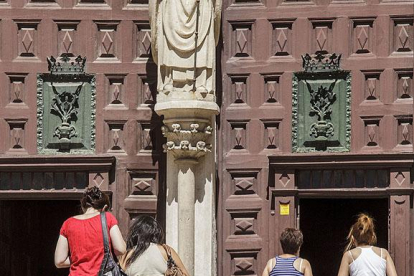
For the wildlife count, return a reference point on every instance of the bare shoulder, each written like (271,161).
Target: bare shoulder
(348,257)
(355,254)
(306,263)
(385,253)
(306,268)
(271,263)
(269,266)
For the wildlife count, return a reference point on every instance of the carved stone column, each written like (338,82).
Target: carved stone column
(184,35)
(190,226)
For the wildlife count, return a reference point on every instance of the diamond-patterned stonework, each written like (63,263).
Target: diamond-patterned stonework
(281,39)
(242,41)
(321,37)
(16,142)
(107,43)
(27,40)
(17,88)
(98,180)
(143,185)
(403,35)
(67,42)
(146,42)
(362,37)
(372,85)
(372,132)
(400,178)
(243,225)
(67,30)
(243,265)
(404,84)
(244,184)
(284,179)
(107,39)
(239,92)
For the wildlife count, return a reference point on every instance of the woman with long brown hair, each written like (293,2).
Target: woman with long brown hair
(146,254)
(362,257)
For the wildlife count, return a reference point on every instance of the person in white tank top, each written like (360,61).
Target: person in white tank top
(146,255)
(361,258)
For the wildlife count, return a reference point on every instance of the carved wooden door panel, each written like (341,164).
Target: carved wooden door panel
(114,36)
(263,41)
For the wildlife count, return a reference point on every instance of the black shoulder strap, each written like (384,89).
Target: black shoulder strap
(105,233)
(105,242)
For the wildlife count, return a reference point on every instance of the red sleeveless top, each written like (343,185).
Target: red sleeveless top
(86,243)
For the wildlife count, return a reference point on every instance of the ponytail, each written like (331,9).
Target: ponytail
(362,232)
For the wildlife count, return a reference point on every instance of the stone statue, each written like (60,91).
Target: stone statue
(186,62)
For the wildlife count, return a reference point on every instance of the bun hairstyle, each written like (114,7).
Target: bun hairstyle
(95,198)
(362,232)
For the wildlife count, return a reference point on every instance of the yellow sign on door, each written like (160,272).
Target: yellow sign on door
(284,209)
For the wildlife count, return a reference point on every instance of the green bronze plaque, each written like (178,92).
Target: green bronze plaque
(321,110)
(66,108)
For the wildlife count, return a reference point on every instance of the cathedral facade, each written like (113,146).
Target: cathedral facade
(309,124)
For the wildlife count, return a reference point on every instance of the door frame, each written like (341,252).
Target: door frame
(283,190)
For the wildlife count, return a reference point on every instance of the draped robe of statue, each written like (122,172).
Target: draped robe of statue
(174,25)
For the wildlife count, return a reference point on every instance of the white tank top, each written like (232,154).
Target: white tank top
(368,263)
(150,263)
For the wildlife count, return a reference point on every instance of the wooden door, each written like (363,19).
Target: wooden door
(263,41)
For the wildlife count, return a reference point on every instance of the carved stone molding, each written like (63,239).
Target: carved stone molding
(62,177)
(142,192)
(17,90)
(187,127)
(17,136)
(28,39)
(188,140)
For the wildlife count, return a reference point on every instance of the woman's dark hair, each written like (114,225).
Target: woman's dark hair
(143,231)
(95,198)
(291,240)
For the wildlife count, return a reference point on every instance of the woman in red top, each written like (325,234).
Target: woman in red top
(80,244)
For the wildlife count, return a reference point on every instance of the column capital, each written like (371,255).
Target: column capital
(187,127)
(187,139)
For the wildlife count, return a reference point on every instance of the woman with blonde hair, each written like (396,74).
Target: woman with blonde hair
(361,257)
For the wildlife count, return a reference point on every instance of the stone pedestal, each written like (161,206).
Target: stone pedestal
(190,226)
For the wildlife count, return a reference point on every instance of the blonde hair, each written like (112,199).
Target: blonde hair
(362,232)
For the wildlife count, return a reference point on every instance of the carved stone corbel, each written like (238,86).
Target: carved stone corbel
(187,140)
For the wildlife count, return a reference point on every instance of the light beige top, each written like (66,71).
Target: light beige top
(150,263)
